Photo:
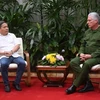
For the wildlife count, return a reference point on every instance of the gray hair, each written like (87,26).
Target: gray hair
(95,16)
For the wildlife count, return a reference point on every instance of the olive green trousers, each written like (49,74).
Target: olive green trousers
(82,74)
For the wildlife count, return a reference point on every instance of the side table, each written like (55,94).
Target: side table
(42,73)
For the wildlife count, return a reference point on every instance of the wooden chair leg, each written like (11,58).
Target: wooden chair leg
(28,80)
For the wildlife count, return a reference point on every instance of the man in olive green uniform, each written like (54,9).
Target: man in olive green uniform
(88,55)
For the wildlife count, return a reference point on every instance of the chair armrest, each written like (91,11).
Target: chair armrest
(27,57)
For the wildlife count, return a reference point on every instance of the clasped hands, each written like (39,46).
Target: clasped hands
(8,53)
(84,57)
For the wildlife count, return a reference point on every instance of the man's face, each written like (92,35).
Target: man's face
(91,22)
(4,29)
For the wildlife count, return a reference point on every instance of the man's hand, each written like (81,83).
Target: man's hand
(84,57)
(87,56)
(8,53)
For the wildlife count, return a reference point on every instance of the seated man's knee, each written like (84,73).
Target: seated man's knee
(22,63)
(86,64)
(4,65)
(74,61)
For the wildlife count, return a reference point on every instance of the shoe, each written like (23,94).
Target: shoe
(7,88)
(17,87)
(88,87)
(71,89)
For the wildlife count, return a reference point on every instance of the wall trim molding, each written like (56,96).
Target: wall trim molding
(70,75)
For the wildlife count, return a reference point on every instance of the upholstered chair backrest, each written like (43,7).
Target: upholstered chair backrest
(20,51)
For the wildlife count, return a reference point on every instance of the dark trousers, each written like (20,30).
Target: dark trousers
(82,74)
(4,62)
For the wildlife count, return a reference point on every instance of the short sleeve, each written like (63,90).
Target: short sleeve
(16,41)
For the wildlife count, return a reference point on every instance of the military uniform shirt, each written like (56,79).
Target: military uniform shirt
(90,43)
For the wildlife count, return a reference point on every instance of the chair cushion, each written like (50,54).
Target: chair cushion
(94,68)
(13,65)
